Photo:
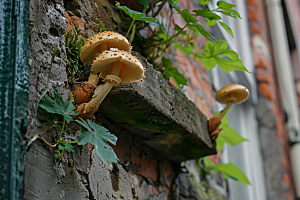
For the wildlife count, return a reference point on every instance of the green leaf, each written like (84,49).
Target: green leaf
(201,30)
(180,30)
(227,28)
(219,54)
(69,147)
(61,147)
(145,3)
(228,134)
(204,2)
(173,4)
(59,107)
(164,36)
(29,62)
(56,156)
(227,9)
(207,14)
(187,50)
(173,72)
(135,15)
(53,54)
(186,15)
(99,137)
(229,170)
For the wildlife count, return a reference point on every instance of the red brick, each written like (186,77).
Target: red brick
(147,167)
(167,173)
(253,15)
(265,90)
(289,195)
(191,93)
(195,77)
(263,75)
(207,90)
(251,2)
(153,191)
(203,107)
(255,27)
(260,60)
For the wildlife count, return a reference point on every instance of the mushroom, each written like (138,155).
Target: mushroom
(230,94)
(115,67)
(90,50)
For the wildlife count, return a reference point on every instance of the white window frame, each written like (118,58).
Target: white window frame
(246,155)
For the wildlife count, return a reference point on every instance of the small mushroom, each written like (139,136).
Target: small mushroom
(115,67)
(90,50)
(101,42)
(230,94)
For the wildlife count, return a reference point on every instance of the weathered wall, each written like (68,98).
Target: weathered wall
(271,119)
(141,172)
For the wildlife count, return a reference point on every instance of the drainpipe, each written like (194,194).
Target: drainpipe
(286,81)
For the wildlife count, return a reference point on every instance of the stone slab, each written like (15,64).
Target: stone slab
(161,115)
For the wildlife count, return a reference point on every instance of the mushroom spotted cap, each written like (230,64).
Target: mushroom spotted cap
(91,48)
(131,68)
(234,92)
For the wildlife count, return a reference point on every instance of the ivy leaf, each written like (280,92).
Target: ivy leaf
(227,28)
(210,16)
(228,134)
(187,50)
(227,9)
(69,147)
(135,15)
(145,3)
(219,54)
(59,107)
(201,30)
(180,30)
(186,15)
(203,2)
(229,170)
(99,137)
(173,72)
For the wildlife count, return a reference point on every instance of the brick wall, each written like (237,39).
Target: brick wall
(268,88)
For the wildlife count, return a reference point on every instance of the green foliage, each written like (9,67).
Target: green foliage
(66,109)
(170,71)
(73,46)
(93,133)
(54,54)
(98,26)
(229,170)
(99,137)
(219,54)
(228,134)
(135,15)
(145,3)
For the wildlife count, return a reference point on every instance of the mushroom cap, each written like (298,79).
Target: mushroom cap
(233,92)
(131,69)
(91,48)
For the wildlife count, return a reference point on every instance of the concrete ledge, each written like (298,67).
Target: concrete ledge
(160,115)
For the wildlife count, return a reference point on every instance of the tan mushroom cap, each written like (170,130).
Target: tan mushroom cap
(131,69)
(234,92)
(91,48)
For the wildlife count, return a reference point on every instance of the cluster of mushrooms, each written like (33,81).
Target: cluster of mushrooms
(229,95)
(110,55)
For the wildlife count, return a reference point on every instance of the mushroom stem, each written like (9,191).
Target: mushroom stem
(97,100)
(224,111)
(93,78)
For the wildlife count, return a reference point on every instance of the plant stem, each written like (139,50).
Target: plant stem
(62,129)
(160,7)
(130,28)
(69,142)
(132,33)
